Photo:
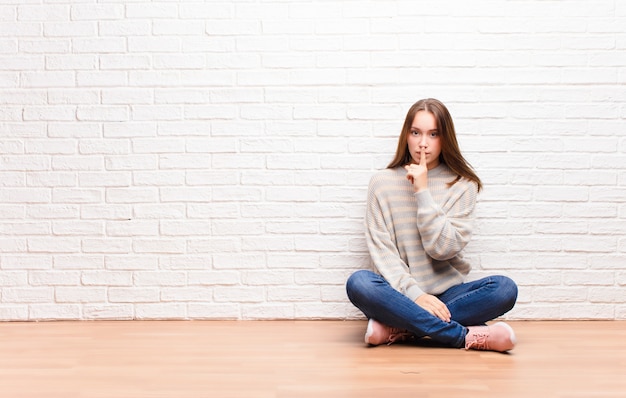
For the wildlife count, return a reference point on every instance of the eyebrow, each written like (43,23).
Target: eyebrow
(428,131)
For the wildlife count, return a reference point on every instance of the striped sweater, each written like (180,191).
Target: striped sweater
(416,240)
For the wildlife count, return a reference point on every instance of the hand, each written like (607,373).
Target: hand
(435,306)
(418,174)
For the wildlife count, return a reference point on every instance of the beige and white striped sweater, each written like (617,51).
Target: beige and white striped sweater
(416,240)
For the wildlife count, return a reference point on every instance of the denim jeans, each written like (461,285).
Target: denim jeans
(471,303)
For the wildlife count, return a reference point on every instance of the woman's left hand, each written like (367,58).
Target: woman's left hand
(435,306)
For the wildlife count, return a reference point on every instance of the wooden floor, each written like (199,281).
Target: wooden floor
(300,359)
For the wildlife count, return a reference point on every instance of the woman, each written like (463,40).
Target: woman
(419,218)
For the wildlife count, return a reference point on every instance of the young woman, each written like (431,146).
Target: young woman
(419,218)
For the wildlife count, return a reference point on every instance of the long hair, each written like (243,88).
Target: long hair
(450,152)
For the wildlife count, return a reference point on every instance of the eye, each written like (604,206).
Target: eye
(434,134)
(415,132)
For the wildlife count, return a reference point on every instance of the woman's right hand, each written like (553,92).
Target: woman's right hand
(435,306)
(417,174)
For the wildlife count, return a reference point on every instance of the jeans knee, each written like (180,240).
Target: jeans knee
(508,289)
(355,280)
(358,283)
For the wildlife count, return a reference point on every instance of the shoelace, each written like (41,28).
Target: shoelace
(478,341)
(397,334)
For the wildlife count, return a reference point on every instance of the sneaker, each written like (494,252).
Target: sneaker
(497,337)
(377,333)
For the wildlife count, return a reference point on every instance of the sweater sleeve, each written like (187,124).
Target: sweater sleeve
(446,230)
(383,249)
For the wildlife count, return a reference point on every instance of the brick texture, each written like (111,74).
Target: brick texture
(209,159)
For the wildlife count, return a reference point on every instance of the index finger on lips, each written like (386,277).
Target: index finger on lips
(423,158)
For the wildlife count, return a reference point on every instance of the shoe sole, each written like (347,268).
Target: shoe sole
(510,329)
(369,331)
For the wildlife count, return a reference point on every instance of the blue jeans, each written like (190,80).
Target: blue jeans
(471,303)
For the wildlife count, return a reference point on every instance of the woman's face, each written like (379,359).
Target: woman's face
(424,136)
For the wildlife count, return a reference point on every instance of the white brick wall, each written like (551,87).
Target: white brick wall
(209,159)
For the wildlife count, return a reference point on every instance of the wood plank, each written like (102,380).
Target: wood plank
(300,359)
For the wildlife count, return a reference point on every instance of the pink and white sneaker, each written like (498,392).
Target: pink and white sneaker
(497,337)
(377,333)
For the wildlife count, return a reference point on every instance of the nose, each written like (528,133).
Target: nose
(423,142)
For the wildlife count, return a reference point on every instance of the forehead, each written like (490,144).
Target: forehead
(424,120)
